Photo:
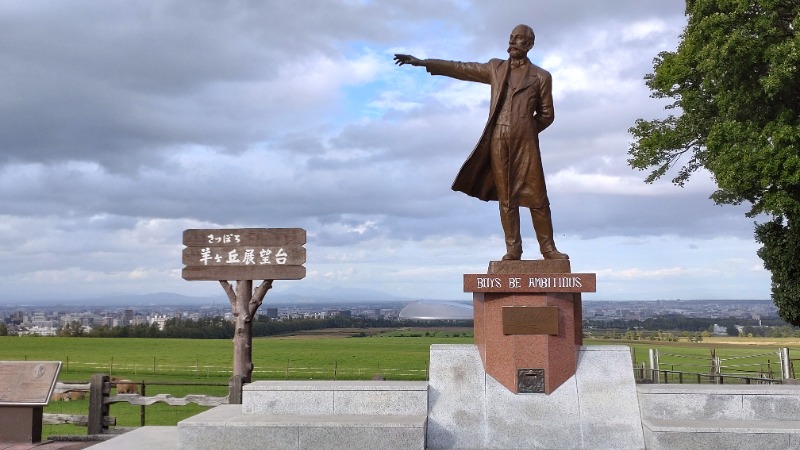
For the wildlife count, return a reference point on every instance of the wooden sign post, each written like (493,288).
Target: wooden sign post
(244,255)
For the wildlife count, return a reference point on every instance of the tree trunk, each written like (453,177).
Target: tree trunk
(243,331)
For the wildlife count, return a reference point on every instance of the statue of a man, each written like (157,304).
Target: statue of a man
(506,164)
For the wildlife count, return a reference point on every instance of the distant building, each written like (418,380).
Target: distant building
(271,313)
(159,320)
(37,330)
(719,330)
(127,317)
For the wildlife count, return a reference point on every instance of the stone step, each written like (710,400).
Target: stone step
(394,398)
(227,427)
(718,434)
(719,402)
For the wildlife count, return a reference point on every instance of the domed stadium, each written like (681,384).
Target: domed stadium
(437,310)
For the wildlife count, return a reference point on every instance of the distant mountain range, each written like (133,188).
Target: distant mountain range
(294,296)
(306,296)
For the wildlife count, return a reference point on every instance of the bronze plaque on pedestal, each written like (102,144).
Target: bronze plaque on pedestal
(530,320)
(27,383)
(530,381)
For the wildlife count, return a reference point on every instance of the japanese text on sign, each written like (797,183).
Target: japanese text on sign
(224,238)
(248,256)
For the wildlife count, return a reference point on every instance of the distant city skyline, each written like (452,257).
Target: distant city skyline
(47,319)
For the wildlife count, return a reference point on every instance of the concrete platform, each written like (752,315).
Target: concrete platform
(394,398)
(151,438)
(720,401)
(720,416)
(721,434)
(227,427)
(315,415)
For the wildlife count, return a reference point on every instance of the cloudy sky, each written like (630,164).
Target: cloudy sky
(122,123)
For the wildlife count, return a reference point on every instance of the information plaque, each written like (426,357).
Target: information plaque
(27,383)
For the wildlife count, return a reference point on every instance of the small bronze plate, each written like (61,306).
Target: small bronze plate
(530,381)
(530,320)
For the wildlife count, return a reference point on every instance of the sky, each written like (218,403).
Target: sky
(123,123)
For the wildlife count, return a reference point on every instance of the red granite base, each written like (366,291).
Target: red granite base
(504,355)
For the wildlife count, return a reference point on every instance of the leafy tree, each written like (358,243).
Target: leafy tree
(3,329)
(73,329)
(781,255)
(734,85)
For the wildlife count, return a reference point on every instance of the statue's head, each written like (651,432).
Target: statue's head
(521,41)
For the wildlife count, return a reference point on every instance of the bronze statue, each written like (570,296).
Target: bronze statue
(506,164)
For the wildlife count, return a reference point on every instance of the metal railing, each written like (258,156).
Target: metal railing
(717,370)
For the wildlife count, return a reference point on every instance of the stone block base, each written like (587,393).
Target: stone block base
(314,415)
(597,408)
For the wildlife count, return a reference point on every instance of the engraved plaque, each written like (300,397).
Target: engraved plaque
(530,282)
(27,382)
(530,320)
(530,381)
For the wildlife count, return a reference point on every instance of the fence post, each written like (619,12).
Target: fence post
(142,408)
(654,365)
(235,390)
(786,364)
(98,408)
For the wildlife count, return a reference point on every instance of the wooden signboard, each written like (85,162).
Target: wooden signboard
(27,383)
(244,254)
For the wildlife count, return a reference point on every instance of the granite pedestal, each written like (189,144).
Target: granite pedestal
(596,408)
(528,322)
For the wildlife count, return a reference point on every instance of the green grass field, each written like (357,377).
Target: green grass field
(394,354)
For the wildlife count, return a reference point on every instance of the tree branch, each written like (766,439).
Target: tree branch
(231,293)
(258,296)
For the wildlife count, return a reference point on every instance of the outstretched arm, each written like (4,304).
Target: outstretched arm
(454,69)
(401,59)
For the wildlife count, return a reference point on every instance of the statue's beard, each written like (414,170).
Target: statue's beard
(516,52)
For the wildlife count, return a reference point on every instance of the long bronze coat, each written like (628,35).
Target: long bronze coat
(531,112)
